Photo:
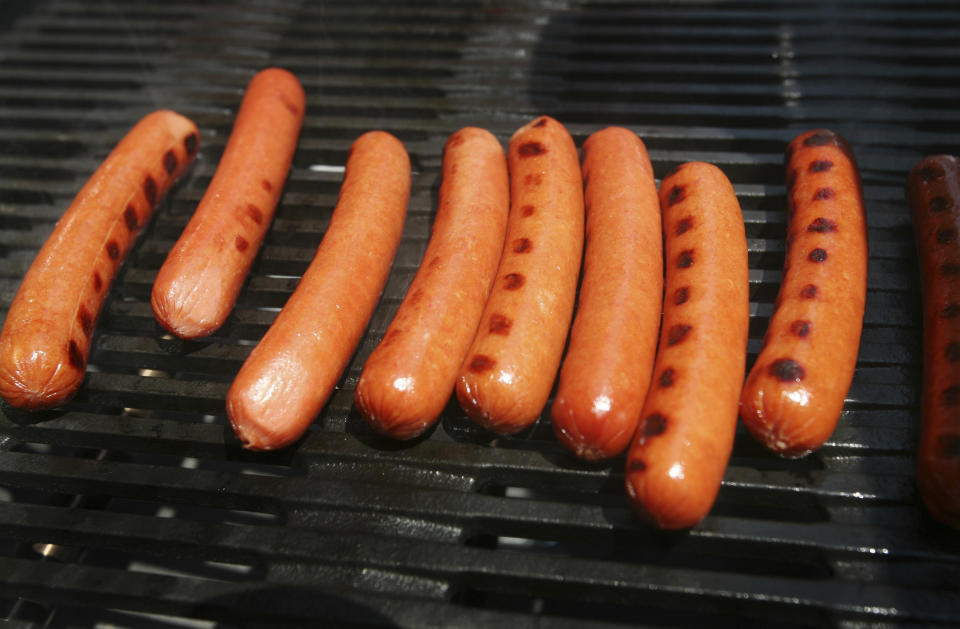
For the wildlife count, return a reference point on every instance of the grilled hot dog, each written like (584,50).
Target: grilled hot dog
(606,372)
(508,372)
(793,397)
(45,342)
(933,191)
(685,436)
(199,282)
(409,377)
(291,373)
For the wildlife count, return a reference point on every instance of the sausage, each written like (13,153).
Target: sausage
(507,375)
(407,380)
(613,341)
(684,439)
(793,397)
(292,371)
(198,284)
(45,341)
(933,189)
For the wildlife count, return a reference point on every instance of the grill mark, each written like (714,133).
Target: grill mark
(820,166)
(823,138)
(817,255)
(681,295)
(75,355)
(952,352)
(940,203)
(527,210)
(522,245)
(946,235)
(685,259)
(499,324)
(950,396)
(190,143)
(150,189)
(809,291)
(97,281)
(170,161)
(113,250)
(800,328)
(678,333)
(533,179)
(654,425)
(293,109)
(531,149)
(240,243)
(636,466)
(822,226)
(823,194)
(928,173)
(786,370)
(684,225)
(85,319)
(130,218)
(513,281)
(480,363)
(950,268)
(677,195)
(266,185)
(254,213)
(667,377)
(415,297)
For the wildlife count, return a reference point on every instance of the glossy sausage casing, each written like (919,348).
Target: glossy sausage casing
(291,373)
(198,284)
(45,342)
(408,379)
(683,441)
(933,191)
(606,372)
(795,392)
(508,372)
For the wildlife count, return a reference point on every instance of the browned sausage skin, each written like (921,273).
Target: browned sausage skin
(795,392)
(198,284)
(613,341)
(508,373)
(684,439)
(45,342)
(408,379)
(291,373)
(933,192)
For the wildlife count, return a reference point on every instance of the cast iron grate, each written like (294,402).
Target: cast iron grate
(134,506)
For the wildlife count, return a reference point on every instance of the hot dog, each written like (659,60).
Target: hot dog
(289,375)
(793,397)
(409,377)
(198,284)
(683,442)
(45,342)
(507,375)
(933,191)
(606,372)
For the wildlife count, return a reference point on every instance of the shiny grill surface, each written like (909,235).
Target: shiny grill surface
(134,505)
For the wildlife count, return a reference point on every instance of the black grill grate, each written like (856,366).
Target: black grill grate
(136,507)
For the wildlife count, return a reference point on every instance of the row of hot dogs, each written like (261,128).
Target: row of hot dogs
(488,314)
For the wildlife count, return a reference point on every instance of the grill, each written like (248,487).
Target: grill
(134,505)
